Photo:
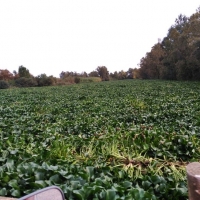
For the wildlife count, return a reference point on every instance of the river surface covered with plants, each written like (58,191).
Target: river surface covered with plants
(115,140)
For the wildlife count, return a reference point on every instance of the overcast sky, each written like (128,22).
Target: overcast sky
(51,36)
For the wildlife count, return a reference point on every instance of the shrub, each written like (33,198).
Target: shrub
(45,81)
(25,82)
(90,79)
(3,84)
(77,80)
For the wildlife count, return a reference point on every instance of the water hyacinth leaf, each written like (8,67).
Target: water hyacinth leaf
(14,184)
(110,194)
(62,172)
(156,179)
(10,165)
(97,188)
(21,169)
(121,174)
(39,175)
(137,193)
(79,194)
(65,188)
(129,197)
(5,178)
(55,178)
(90,171)
(3,192)
(69,177)
(48,182)
(126,184)
(15,193)
(119,189)
(182,190)
(13,152)
(102,194)
(98,181)
(40,183)
(2,159)
(75,185)
(146,184)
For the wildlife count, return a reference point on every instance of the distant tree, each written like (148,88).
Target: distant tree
(194,61)
(136,74)
(3,84)
(180,45)
(84,74)
(93,74)
(25,82)
(14,72)
(130,73)
(62,75)
(155,61)
(15,75)
(177,57)
(67,74)
(121,75)
(5,75)
(44,80)
(151,64)
(77,80)
(114,75)
(23,72)
(103,73)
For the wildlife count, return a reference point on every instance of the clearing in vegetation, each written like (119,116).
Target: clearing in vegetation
(110,140)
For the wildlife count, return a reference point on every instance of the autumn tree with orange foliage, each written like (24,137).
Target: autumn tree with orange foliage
(177,57)
(5,75)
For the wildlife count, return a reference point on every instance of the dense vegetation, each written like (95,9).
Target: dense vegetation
(110,140)
(177,56)
(23,78)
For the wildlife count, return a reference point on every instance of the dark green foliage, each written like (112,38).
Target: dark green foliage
(103,73)
(77,79)
(23,72)
(25,82)
(109,140)
(4,84)
(44,80)
(93,74)
(177,56)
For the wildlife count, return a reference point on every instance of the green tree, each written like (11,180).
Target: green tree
(25,82)
(93,74)
(114,75)
(151,64)
(136,74)
(3,84)
(122,75)
(23,72)
(44,80)
(77,80)
(103,73)
(178,56)
(130,73)
(83,74)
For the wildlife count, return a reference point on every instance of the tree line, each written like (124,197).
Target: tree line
(23,78)
(103,73)
(177,56)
